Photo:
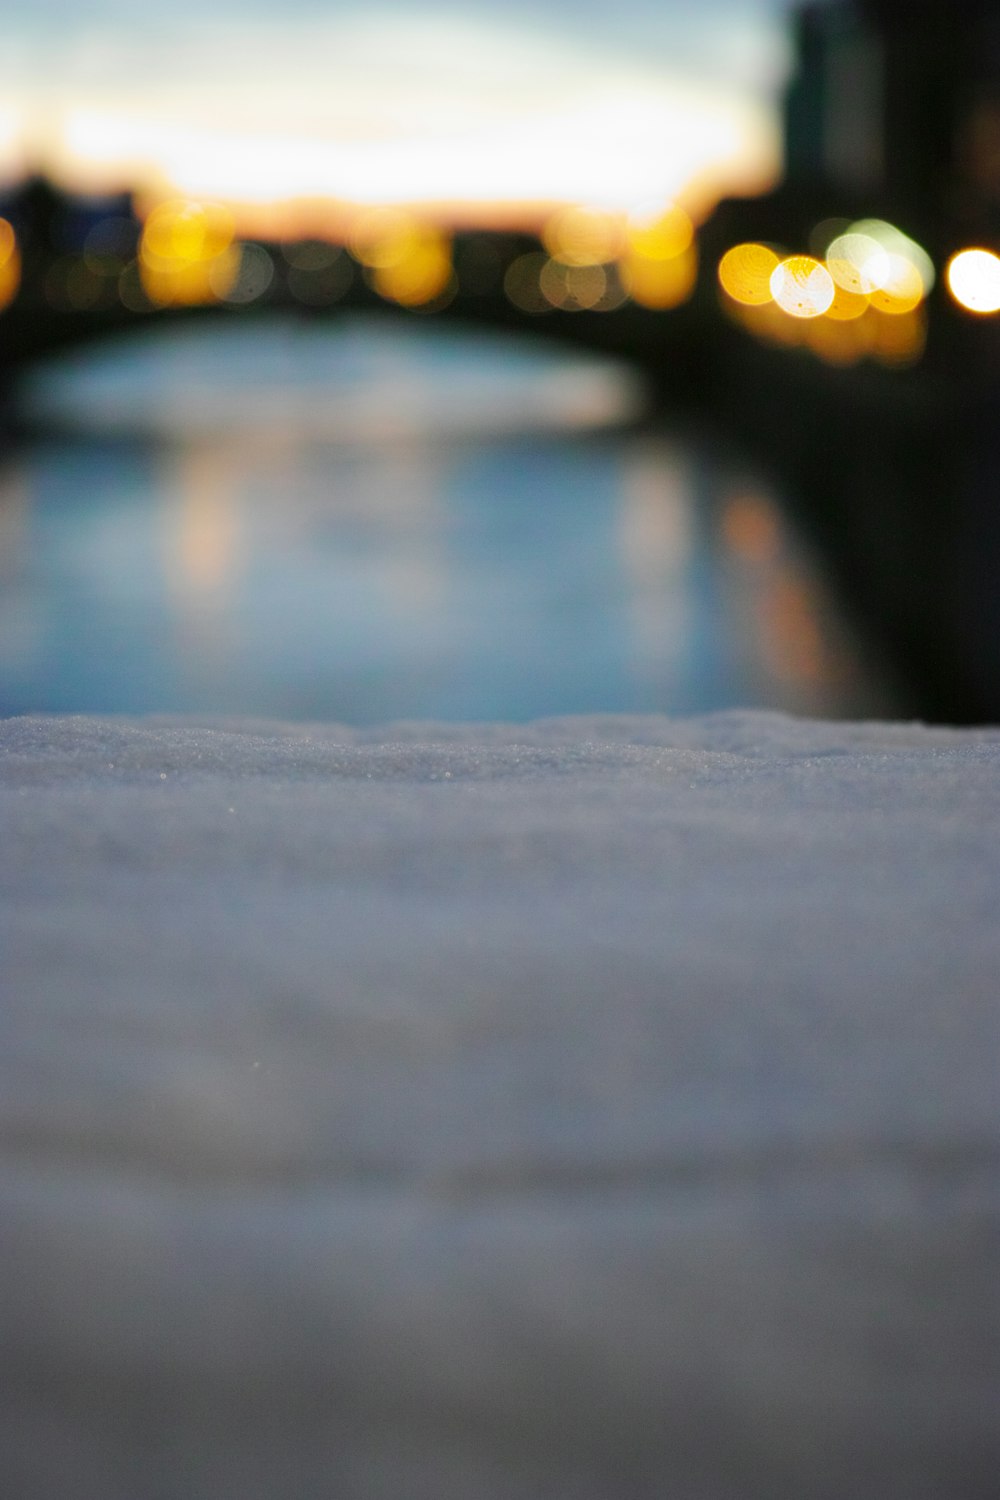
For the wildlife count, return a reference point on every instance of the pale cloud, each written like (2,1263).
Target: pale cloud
(395,104)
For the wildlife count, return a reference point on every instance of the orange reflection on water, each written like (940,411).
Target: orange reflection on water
(788,611)
(790,635)
(205,543)
(751,528)
(656,526)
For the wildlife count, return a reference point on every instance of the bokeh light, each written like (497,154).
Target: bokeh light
(802,287)
(659,265)
(581,236)
(745,274)
(847,307)
(660,284)
(898,243)
(858,263)
(572,287)
(660,234)
(406,260)
(10,264)
(973,278)
(903,289)
(187,255)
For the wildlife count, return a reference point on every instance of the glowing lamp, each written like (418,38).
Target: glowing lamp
(802,287)
(973,278)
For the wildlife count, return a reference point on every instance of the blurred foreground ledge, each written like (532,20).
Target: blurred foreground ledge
(490,1112)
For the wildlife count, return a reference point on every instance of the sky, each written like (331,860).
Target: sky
(396,102)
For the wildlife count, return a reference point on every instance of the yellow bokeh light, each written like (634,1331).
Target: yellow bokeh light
(973,278)
(421,275)
(802,287)
(745,274)
(658,266)
(379,237)
(10,264)
(858,263)
(407,261)
(903,289)
(579,236)
(661,236)
(659,284)
(895,243)
(186,255)
(847,307)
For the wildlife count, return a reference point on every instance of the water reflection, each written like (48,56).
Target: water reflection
(370,523)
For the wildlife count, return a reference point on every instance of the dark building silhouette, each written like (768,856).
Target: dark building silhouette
(897,102)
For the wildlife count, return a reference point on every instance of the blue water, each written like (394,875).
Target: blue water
(372,522)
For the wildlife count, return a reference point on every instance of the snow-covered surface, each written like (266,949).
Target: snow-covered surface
(589,1110)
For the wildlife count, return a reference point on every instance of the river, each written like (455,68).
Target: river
(369,521)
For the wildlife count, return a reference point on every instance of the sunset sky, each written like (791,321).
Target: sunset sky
(400,102)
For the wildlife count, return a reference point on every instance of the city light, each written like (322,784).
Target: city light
(406,261)
(857,263)
(973,278)
(900,246)
(745,274)
(187,255)
(859,296)
(10,264)
(903,289)
(659,266)
(802,287)
(582,236)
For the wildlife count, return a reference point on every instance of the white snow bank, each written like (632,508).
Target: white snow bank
(596,1108)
